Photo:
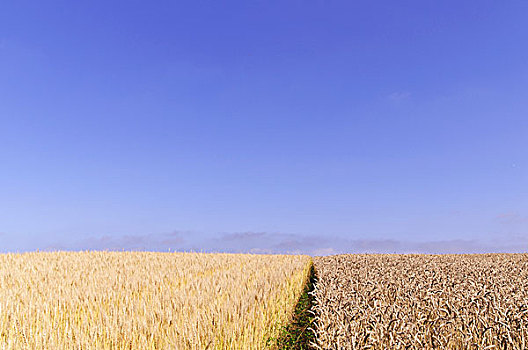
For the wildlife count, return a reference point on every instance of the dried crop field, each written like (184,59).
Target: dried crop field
(142,300)
(422,301)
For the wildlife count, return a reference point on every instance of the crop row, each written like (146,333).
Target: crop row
(421,302)
(141,300)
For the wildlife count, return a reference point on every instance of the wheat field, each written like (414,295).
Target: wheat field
(421,302)
(146,300)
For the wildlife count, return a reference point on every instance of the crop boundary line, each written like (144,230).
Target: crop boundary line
(298,334)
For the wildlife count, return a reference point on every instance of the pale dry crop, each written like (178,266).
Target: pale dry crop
(422,301)
(143,300)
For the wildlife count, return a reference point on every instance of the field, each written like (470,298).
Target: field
(146,300)
(422,302)
(142,300)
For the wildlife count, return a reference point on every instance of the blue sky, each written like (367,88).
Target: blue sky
(265,126)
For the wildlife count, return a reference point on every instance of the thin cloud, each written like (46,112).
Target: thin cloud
(243,236)
(243,242)
(260,251)
(324,251)
(511,217)
(287,243)
(324,245)
(398,96)
(153,242)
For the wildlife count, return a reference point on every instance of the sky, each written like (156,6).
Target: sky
(315,127)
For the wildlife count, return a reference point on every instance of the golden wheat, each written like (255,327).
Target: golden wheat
(422,302)
(145,300)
